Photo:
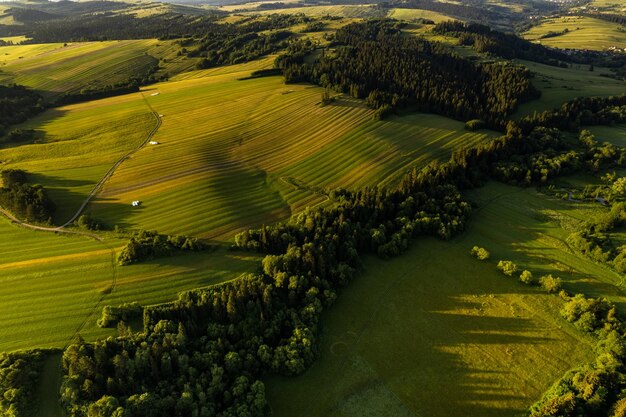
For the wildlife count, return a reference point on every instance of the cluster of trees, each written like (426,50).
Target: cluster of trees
(24,200)
(113,314)
(375,61)
(593,238)
(582,111)
(479,253)
(509,46)
(19,373)
(598,388)
(18,103)
(144,245)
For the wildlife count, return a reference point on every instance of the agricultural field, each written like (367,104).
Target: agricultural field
(491,343)
(68,68)
(55,285)
(413,14)
(583,33)
(558,85)
(199,172)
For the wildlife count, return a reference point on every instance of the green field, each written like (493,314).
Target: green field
(231,153)
(60,68)
(584,33)
(558,85)
(409,330)
(55,285)
(614,134)
(412,14)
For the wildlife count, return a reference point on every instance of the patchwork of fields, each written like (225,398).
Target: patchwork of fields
(582,33)
(231,154)
(55,286)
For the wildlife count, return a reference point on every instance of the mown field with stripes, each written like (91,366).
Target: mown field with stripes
(231,154)
(582,33)
(55,285)
(55,68)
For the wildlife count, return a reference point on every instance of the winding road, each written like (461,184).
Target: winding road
(93,192)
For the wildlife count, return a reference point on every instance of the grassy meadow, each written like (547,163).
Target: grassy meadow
(410,329)
(57,68)
(558,85)
(583,33)
(55,285)
(613,134)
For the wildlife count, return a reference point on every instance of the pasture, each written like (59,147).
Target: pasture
(57,68)
(407,330)
(395,341)
(55,285)
(613,134)
(558,85)
(583,33)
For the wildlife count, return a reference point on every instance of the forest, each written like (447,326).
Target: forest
(375,61)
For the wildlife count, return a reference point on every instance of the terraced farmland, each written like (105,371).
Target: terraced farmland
(383,348)
(583,33)
(57,68)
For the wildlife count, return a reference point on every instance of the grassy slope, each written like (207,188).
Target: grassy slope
(55,68)
(53,284)
(411,14)
(614,134)
(244,140)
(558,85)
(241,142)
(490,342)
(584,33)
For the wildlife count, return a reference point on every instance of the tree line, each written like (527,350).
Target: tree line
(375,61)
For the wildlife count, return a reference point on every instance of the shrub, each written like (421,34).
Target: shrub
(480,253)
(124,312)
(507,267)
(474,124)
(526,277)
(150,244)
(550,283)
